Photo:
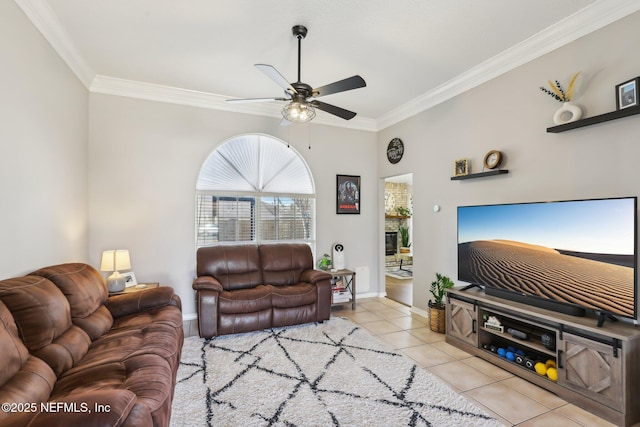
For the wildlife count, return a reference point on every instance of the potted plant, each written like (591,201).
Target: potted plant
(325,262)
(404,239)
(402,211)
(436,306)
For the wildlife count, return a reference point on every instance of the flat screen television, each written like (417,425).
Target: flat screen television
(568,256)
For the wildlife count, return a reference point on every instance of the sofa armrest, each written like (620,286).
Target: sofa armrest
(322,282)
(87,409)
(314,276)
(208,283)
(208,290)
(148,299)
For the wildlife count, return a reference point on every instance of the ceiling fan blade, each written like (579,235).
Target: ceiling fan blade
(332,109)
(273,74)
(350,83)
(248,100)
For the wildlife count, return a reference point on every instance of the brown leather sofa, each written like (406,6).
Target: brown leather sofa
(242,288)
(72,356)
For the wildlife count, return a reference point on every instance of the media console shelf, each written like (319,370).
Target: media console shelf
(598,368)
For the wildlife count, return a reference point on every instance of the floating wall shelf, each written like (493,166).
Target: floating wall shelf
(613,115)
(480,175)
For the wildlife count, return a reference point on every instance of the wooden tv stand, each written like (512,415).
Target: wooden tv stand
(598,367)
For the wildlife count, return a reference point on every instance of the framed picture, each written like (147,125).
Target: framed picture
(461,167)
(627,94)
(347,194)
(129,279)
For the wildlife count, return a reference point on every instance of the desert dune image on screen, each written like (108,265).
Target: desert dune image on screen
(578,252)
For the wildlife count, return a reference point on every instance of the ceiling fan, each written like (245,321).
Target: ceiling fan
(301,96)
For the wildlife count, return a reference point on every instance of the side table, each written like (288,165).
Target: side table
(348,279)
(135,288)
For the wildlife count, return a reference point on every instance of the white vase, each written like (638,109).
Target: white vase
(568,113)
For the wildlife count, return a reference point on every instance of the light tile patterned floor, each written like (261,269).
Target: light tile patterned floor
(514,401)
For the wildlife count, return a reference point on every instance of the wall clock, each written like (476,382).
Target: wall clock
(492,159)
(395,150)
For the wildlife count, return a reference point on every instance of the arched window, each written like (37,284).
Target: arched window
(254,188)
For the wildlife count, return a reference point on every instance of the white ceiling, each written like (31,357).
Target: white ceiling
(413,54)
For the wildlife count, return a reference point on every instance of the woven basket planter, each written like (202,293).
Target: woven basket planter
(437,317)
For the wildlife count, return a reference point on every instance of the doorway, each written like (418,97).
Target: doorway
(398,229)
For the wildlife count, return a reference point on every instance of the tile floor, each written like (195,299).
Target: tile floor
(512,400)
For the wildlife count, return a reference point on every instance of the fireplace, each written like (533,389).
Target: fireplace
(390,242)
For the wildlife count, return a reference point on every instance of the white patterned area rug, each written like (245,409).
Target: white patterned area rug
(329,374)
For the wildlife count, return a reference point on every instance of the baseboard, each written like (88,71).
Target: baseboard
(370,295)
(419,312)
(190,316)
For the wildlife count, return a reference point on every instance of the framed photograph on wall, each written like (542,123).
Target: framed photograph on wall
(627,94)
(461,167)
(347,194)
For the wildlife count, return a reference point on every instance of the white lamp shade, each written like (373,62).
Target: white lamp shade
(115,260)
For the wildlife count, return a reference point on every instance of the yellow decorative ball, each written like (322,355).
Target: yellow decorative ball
(541,368)
(552,373)
(550,363)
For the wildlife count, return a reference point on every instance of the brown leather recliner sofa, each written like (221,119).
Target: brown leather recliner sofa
(72,356)
(242,288)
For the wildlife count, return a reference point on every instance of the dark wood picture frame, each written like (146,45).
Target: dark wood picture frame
(627,94)
(348,194)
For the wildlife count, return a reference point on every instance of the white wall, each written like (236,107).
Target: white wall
(144,159)
(43,151)
(511,114)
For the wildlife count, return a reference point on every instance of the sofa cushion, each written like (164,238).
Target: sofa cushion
(86,291)
(282,264)
(117,345)
(293,296)
(42,315)
(245,300)
(235,267)
(40,310)
(147,375)
(23,377)
(66,350)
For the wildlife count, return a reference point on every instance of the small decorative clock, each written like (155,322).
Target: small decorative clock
(492,159)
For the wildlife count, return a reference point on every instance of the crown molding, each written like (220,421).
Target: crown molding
(593,17)
(152,92)
(583,22)
(46,21)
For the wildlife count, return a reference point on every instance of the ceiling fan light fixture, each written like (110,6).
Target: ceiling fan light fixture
(298,112)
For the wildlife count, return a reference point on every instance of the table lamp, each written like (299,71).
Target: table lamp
(114,260)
